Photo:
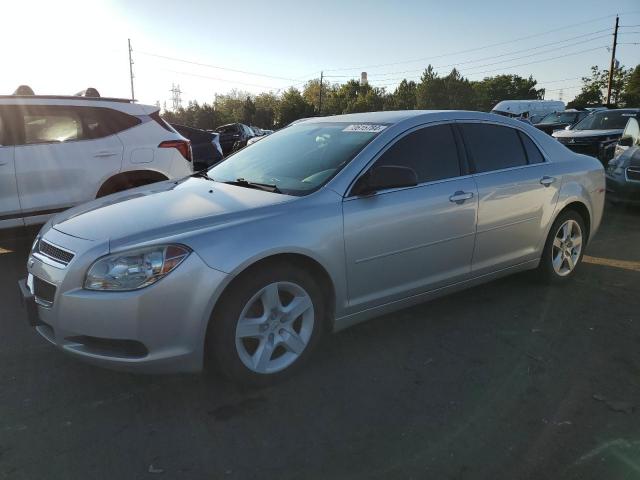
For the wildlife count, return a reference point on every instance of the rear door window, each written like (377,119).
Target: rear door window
(493,147)
(51,125)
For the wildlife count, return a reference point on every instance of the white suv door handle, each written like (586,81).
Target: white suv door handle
(546,181)
(460,197)
(105,153)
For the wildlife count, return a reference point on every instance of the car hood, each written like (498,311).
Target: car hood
(164,209)
(586,133)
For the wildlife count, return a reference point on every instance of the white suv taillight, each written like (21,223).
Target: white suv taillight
(183,146)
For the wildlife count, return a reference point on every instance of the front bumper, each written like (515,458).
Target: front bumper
(157,329)
(603,150)
(619,189)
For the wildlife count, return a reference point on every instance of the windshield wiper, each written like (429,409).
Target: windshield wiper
(202,174)
(241,182)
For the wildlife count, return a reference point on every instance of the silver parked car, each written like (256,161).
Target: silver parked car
(319,226)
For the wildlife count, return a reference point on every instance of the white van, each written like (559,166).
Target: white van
(534,110)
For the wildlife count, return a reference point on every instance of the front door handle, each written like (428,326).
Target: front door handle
(546,181)
(105,153)
(460,197)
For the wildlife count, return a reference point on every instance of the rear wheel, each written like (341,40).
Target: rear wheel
(267,324)
(120,184)
(564,248)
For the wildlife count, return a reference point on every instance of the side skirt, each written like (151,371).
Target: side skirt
(358,317)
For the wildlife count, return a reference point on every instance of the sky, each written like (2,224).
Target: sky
(209,46)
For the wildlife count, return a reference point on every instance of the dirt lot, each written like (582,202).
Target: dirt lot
(509,380)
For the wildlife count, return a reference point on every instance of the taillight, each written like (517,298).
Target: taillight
(183,146)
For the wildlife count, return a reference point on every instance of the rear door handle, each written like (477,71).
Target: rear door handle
(546,181)
(105,153)
(460,197)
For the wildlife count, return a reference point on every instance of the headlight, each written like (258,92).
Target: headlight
(35,244)
(134,269)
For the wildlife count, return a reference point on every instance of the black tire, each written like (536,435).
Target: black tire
(221,351)
(546,271)
(125,184)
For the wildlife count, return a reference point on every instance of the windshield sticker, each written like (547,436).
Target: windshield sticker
(363,127)
(628,114)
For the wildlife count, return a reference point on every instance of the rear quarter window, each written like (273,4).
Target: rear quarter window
(531,149)
(102,122)
(493,147)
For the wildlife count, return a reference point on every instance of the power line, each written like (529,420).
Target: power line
(515,66)
(504,55)
(208,65)
(362,67)
(219,79)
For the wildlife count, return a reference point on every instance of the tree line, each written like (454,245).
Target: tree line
(431,92)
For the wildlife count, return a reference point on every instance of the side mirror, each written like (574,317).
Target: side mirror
(626,142)
(385,177)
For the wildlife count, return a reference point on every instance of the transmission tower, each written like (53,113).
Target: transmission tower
(175,96)
(560,95)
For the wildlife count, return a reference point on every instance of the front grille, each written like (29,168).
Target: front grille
(591,150)
(55,253)
(633,173)
(44,291)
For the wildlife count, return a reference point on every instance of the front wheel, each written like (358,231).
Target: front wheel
(564,248)
(267,324)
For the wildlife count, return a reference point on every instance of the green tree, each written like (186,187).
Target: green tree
(267,105)
(450,92)
(293,107)
(404,97)
(594,87)
(491,90)
(631,95)
(311,94)
(248,111)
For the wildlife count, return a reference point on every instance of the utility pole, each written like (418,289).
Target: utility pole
(133,97)
(613,61)
(320,102)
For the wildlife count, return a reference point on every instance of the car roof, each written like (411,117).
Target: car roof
(395,117)
(120,104)
(622,110)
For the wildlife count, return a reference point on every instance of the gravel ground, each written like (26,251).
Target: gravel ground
(509,380)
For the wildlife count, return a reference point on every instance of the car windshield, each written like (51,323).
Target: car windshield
(559,117)
(606,120)
(227,129)
(504,114)
(298,159)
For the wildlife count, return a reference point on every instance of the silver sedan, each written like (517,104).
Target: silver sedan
(319,226)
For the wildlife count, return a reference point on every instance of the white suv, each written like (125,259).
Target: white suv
(57,151)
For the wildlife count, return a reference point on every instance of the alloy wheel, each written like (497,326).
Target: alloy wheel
(274,327)
(567,247)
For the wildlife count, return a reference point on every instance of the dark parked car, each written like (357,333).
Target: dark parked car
(597,134)
(205,146)
(623,172)
(234,136)
(560,120)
